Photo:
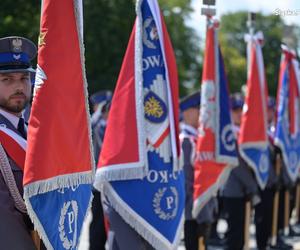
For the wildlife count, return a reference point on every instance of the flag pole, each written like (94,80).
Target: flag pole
(207,10)
(297,202)
(36,239)
(250,25)
(275,204)
(286,229)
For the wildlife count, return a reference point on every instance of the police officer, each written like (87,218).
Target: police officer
(263,210)
(240,187)
(16,54)
(101,104)
(194,228)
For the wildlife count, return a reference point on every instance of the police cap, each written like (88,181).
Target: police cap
(236,100)
(190,101)
(16,54)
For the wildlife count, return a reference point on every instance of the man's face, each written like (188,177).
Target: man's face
(236,116)
(191,117)
(15,91)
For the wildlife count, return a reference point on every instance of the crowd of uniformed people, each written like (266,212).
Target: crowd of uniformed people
(228,204)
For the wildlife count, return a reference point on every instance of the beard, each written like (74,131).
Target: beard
(14,106)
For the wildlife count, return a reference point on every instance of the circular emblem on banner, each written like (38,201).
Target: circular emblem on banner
(155,108)
(165,203)
(150,34)
(228,138)
(263,164)
(68,224)
(293,160)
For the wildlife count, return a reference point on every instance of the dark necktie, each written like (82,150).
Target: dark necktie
(21,128)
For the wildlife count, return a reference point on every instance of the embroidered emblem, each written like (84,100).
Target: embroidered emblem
(41,41)
(68,218)
(155,108)
(228,138)
(263,164)
(150,34)
(17,45)
(16,57)
(293,160)
(165,203)
(207,109)
(40,76)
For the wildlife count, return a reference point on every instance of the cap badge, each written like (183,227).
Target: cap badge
(17,45)
(16,57)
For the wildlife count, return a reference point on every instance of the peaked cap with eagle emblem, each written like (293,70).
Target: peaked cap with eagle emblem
(16,54)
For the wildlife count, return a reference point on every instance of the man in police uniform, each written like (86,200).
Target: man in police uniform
(263,211)
(240,187)
(16,54)
(194,228)
(101,104)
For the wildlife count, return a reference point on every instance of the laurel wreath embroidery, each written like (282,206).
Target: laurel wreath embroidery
(67,244)
(157,201)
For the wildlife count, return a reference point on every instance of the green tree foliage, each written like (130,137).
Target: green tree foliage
(185,42)
(232,31)
(108,24)
(20,18)
(107,27)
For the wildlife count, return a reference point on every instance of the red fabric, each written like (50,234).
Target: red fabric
(122,120)
(13,149)
(286,64)
(122,124)
(173,77)
(294,94)
(207,172)
(207,142)
(58,139)
(254,103)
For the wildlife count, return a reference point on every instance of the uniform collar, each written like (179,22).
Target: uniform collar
(12,118)
(188,128)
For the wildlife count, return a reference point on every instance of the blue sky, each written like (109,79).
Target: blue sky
(290,7)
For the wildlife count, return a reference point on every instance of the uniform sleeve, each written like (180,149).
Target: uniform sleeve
(187,151)
(245,176)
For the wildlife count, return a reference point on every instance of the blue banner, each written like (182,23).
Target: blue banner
(289,144)
(154,205)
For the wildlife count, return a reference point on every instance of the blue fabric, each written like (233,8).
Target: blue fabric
(289,145)
(260,159)
(158,199)
(14,57)
(58,212)
(226,138)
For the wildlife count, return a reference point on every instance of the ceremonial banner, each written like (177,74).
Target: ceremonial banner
(287,133)
(253,136)
(138,167)
(58,165)
(216,147)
